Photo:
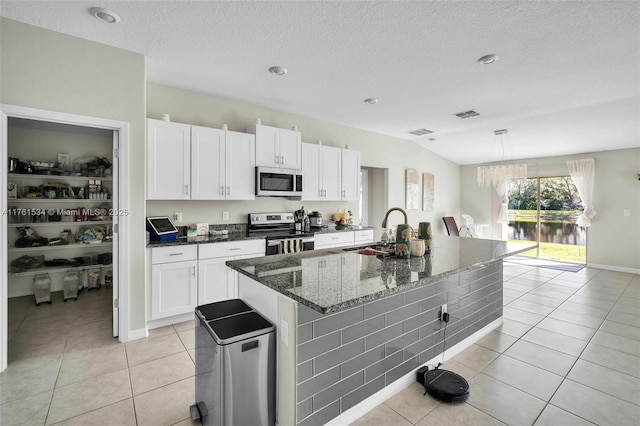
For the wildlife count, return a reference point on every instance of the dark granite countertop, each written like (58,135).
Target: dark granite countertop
(220,238)
(234,235)
(331,229)
(333,280)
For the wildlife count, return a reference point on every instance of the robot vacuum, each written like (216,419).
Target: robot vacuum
(443,385)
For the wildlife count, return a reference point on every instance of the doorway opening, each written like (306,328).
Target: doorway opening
(544,210)
(374,197)
(44,202)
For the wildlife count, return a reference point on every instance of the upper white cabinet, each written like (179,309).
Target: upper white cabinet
(199,163)
(321,167)
(350,175)
(330,174)
(277,147)
(222,164)
(168,160)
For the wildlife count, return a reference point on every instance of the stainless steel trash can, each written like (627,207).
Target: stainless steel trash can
(235,365)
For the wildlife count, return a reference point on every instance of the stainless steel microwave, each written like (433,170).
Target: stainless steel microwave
(276,182)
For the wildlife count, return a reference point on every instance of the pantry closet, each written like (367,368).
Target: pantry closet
(61,213)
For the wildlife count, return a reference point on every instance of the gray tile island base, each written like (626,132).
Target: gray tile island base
(351,326)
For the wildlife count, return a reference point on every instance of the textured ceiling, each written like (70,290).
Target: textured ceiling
(567,81)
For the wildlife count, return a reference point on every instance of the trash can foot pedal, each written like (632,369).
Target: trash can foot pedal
(198,411)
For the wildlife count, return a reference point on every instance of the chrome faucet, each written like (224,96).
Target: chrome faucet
(386,216)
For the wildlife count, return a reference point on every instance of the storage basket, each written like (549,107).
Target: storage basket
(42,288)
(94,279)
(70,285)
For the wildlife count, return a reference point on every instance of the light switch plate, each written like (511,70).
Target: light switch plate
(225,215)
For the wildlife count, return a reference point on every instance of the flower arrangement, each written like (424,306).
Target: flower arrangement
(342,218)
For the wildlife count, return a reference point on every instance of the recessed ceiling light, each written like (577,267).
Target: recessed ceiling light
(105,15)
(488,59)
(371,101)
(278,70)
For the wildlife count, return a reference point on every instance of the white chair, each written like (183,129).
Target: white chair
(470,228)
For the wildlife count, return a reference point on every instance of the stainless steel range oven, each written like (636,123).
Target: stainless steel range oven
(279,232)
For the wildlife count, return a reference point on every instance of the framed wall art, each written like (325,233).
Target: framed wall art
(413,189)
(428,186)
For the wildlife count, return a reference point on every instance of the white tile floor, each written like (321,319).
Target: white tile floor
(567,353)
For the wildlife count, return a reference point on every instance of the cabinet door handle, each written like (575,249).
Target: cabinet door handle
(186,189)
(176,254)
(194,271)
(234,248)
(282,159)
(344,193)
(222,190)
(228,190)
(277,159)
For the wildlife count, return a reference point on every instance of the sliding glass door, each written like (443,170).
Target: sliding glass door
(544,210)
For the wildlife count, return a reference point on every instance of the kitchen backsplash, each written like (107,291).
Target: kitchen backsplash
(194,211)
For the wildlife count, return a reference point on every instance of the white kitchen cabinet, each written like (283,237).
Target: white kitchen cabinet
(199,163)
(363,236)
(332,240)
(174,281)
(168,160)
(321,167)
(216,281)
(275,147)
(350,175)
(222,164)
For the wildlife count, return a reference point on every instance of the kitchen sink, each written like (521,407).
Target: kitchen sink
(377,249)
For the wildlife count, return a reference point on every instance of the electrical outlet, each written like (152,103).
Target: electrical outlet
(225,215)
(443,310)
(178,217)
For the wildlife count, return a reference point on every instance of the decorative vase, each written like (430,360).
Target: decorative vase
(404,234)
(417,247)
(424,233)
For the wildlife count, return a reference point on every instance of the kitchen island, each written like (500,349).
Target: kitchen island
(351,326)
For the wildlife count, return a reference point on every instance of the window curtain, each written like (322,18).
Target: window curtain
(583,174)
(502,189)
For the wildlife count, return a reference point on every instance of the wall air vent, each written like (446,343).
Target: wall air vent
(467,114)
(421,132)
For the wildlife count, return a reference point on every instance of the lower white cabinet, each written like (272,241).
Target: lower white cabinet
(174,281)
(216,281)
(338,239)
(363,236)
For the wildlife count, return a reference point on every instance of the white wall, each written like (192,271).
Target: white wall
(376,151)
(48,70)
(613,240)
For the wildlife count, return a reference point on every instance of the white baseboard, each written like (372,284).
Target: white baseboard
(359,410)
(140,333)
(614,268)
(162,322)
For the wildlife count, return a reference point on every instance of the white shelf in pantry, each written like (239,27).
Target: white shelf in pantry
(59,246)
(53,269)
(56,200)
(57,224)
(54,177)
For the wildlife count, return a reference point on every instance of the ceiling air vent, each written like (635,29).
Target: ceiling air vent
(420,132)
(467,114)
